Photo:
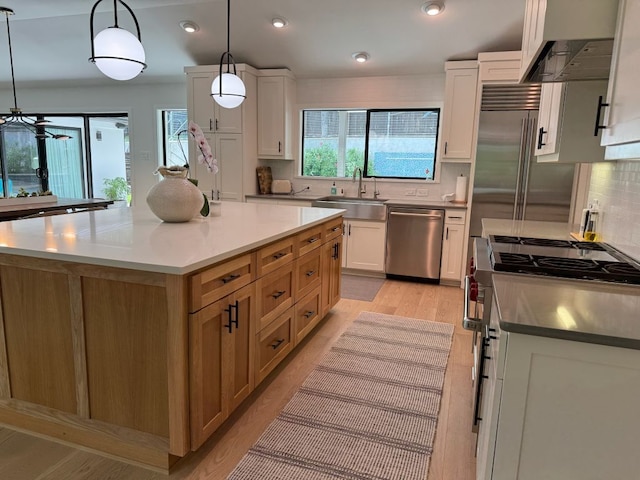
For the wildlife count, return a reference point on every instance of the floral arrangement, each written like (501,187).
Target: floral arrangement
(206,156)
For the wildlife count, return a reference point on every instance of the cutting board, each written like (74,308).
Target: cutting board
(264,179)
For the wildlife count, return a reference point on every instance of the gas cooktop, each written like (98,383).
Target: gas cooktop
(561,258)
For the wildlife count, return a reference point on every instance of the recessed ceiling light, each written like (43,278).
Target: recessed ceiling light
(279,22)
(189,27)
(432,8)
(360,57)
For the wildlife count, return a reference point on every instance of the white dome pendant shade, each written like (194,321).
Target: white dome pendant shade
(117,53)
(232,93)
(227,89)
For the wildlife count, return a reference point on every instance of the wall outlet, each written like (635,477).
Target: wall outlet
(423,192)
(411,191)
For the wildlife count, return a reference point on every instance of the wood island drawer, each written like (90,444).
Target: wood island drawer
(275,295)
(216,282)
(307,315)
(273,256)
(308,272)
(273,344)
(309,240)
(332,229)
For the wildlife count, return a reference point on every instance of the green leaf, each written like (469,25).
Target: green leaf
(205,208)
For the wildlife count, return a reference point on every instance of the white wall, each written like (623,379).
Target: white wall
(140,102)
(616,185)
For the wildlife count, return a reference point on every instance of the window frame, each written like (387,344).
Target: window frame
(436,160)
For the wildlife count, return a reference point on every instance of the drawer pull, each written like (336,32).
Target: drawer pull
(231,277)
(335,229)
(308,314)
(277,343)
(313,240)
(278,294)
(310,273)
(279,255)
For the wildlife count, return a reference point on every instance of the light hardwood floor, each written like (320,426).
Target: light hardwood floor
(24,457)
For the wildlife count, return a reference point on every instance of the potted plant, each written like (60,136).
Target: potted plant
(116,189)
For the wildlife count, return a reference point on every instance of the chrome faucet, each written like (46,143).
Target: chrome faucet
(361,188)
(375,188)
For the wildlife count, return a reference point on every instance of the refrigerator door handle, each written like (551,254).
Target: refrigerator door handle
(527,170)
(521,159)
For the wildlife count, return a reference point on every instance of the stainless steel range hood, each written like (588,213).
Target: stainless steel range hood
(568,40)
(571,60)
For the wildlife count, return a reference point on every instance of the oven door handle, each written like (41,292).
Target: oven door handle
(469,322)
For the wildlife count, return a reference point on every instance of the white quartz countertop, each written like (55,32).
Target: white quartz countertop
(585,311)
(527,228)
(419,202)
(135,238)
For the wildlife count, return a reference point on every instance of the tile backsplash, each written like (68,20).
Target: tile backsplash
(616,186)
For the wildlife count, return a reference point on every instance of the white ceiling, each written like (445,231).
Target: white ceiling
(51,42)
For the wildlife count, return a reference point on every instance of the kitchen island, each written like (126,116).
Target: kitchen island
(138,338)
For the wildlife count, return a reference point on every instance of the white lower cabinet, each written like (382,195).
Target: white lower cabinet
(452,245)
(558,409)
(364,245)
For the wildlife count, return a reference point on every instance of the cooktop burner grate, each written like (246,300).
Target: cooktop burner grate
(547,242)
(584,269)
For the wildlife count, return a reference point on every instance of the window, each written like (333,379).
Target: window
(384,143)
(98,150)
(175,149)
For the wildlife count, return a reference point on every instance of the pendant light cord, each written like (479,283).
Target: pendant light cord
(13,77)
(228,33)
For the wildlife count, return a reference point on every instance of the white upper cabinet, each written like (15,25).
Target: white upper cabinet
(276,115)
(499,67)
(458,117)
(622,116)
(567,122)
(205,111)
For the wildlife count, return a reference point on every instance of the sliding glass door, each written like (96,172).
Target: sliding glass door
(96,155)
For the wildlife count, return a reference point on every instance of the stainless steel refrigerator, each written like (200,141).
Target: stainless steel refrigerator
(508,182)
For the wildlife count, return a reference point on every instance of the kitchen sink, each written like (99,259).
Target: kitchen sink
(359,208)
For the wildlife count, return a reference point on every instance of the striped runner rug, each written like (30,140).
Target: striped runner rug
(369,409)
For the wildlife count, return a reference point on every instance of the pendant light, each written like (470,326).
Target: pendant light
(116,52)
(35,125)
(227,88)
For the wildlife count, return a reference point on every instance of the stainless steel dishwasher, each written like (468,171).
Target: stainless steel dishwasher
(414,242)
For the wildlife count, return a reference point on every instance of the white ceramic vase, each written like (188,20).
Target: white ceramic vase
(175,199)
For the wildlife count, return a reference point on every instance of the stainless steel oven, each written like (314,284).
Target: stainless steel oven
(478,293)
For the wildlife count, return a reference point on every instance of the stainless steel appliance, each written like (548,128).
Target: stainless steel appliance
(414,242)
(579,261)
(508,182)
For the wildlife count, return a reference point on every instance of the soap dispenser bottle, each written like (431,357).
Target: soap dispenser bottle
(591,231)
(334,189)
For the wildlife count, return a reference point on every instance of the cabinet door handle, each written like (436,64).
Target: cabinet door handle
(233,276)
(210,124)
(447,234)
(335,251)
(216,124)
(279,147)
(235,308)
(230,324)
(279,255)
(278,294)
(349,234)
(310,273)
(308,314)
(599,127)
(541,132)
(277,343)
(446,144)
